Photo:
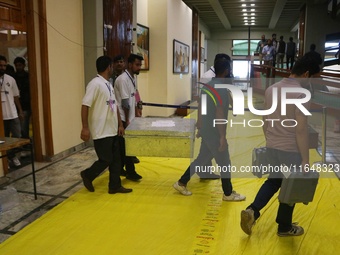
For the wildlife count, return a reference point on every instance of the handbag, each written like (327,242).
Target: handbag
(298,188)
(259,159)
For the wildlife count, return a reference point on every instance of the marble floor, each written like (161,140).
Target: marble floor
(55,182)
(58,180)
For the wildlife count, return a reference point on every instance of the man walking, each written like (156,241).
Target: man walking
(100,118)
(214,143)
(125,89)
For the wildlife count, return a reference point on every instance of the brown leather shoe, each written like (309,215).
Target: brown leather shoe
(119,190)
(87,182)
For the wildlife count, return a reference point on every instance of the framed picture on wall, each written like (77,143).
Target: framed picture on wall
(202,55)
(143,45)
(180,57)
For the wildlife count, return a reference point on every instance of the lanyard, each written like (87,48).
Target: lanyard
(212,70)
(132,80)
(2,80)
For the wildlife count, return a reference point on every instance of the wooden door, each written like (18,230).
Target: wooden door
(118,14)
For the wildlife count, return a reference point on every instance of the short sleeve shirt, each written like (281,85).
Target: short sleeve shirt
(9,90)
(101,100)
(215,97)
(125,88)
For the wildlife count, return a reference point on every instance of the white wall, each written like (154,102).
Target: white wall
(167,20)
(66,70)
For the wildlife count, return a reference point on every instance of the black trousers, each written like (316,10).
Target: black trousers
(127,161)
(273,184)
(108,152)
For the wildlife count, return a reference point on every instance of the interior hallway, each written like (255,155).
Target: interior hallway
(154,218)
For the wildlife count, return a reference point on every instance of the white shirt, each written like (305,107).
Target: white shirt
(101,100)
(9,90)
(125,88)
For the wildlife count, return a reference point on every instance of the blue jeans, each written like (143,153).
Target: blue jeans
(273,184)
(208,151)
(107,150)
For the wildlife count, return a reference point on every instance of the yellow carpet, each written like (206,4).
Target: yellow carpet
(156,219)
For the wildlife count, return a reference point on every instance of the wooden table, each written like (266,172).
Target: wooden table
(8,143)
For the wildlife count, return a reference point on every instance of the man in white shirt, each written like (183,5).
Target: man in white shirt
(101,119)
(125,88)
(10,107)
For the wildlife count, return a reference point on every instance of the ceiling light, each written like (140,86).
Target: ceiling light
(252,17)
(244,5)
(252,14)
(252,5)
(252,10)
(244,10)
(245,18)
(245,14)
(246,24)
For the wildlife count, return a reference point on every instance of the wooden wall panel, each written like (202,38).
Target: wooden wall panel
(12,15)
(118,14)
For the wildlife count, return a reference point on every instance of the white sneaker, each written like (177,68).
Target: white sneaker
(16,161)
(247,220)
(181,189)
(234,197)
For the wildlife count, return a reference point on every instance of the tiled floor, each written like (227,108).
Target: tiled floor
(55,182)
(58,180)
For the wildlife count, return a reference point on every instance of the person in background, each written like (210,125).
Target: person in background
(280,51)
(290,53)
(21,77)
(260,46)
(100,118)
(286,145)
(268,53)
(118,67)
(314,55)
(274,43)
(11,108)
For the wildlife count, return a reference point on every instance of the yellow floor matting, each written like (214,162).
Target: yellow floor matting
(155,219)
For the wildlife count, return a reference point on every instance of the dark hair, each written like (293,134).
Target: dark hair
(281,37)
(312,47)
(306,63)
(118,57)
(221,65)
(3,58)
(19,60)
(102,63)
(133,57)
(222,56)
(291,39)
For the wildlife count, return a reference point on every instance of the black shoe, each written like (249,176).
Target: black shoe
(87,182)
(122,172)
(119,190)
(133,177)
(135,160)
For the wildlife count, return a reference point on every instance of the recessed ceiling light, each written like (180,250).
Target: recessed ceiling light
(252,14)
(244,5)
(245,18)
(252,10)
(244,10)
(246,24)
(252,5)
(252,17)
(245,14)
